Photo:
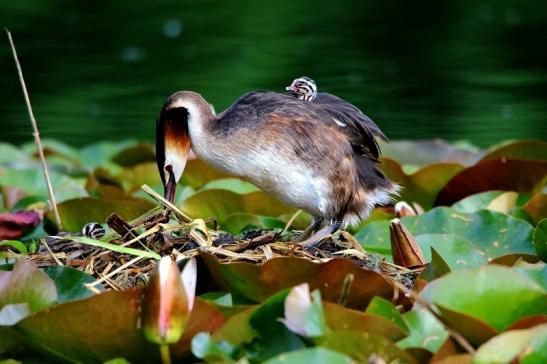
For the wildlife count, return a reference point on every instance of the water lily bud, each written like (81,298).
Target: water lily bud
(405,250)
(304,313)
(404,209)
(167,303)
(297,305)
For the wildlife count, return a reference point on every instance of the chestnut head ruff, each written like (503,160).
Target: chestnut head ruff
(296,151)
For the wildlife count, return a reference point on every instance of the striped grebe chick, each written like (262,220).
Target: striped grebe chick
(288,148)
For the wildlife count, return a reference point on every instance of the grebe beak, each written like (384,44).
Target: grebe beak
(172,147)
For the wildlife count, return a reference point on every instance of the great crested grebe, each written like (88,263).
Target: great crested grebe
(289,148)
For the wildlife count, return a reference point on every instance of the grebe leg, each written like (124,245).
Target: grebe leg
(314,240)
(315,225)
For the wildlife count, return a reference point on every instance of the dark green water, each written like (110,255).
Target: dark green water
(472,70)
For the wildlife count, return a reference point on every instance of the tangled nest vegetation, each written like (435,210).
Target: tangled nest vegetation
(125,258)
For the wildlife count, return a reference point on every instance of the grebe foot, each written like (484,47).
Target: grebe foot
(316,239)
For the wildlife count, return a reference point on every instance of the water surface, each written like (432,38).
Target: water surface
(98,70)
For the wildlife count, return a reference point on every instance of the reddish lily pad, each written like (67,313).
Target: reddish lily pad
(495,174)
(106,326)
(258,282)
(525,149)
(13,225)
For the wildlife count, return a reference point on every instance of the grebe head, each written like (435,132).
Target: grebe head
(181,109)
(303,88)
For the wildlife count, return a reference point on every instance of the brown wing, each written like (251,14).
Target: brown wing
(358,127)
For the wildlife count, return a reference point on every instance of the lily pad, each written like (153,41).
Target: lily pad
(522,346)
(78,212)
(222,203)
(70,283)
(312,355)
(495,174)
(362,346)
(423,152)
(423,185)
(524,149)
(26,284)
(197,173)
(497,295)
(68,330)
(426,332)
(32,182)
(258,282)
(492,233)
(382,307)
(540,239)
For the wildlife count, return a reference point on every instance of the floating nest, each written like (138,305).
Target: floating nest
(166,230)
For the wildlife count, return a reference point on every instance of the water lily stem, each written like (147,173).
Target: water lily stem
(36,135)
(165,354)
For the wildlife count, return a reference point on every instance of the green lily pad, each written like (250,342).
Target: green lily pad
(197,173)
(135,154)
(222,203)
(436,268)
(312,355)
(426,332)
(492,233)
(522,346)
(491,175)
(70,283)
(540,239)
(78,212)
(239,222)
(26,284)
(494,294)
(340,318)
(32,182)
(133,177)
(382,307)
(361,346)
(423,185)
(98,154)
(231,184)
(457,252)
(424,152)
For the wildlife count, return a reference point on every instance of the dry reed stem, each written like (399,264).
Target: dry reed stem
(36,134)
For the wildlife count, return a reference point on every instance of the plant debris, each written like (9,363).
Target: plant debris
(166,232)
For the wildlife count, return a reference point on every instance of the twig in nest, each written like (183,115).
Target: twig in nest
(166,203)
(36,134)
